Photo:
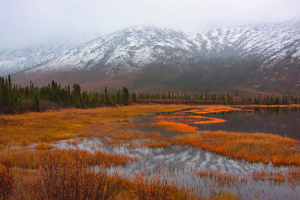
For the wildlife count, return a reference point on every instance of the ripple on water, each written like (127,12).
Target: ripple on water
(173,156)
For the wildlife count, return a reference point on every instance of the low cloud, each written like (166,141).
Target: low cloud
(34,22)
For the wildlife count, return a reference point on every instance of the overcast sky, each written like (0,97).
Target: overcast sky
(32,22)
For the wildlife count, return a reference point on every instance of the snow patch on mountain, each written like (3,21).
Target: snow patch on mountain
(133,48)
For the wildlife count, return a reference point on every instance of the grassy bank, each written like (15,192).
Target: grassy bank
(51,126)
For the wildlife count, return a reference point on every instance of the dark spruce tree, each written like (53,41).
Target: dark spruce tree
(126,96)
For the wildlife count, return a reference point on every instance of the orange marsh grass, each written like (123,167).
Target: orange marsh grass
(69,123)
(250,147)
(213,109)
(34,159)
(44,146)
(176,127)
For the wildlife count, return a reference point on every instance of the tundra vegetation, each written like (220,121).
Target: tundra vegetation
(32,167)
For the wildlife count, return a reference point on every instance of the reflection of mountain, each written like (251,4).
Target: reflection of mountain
(264,56)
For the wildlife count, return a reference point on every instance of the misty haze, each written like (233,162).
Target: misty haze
(166,99)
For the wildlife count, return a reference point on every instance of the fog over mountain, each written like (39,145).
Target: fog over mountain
(228,56)
(180,44)
(133,48)
(27,23)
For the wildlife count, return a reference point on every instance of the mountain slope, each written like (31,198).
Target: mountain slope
(26,58)
(234,55)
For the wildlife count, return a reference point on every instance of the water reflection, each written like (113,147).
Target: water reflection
(280,121)
(179,163)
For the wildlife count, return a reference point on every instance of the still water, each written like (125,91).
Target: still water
(280,121)
(179,162)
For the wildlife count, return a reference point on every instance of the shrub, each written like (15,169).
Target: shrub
(6,184)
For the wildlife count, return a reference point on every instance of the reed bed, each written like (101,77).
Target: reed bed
(34,159)
(79,174)
(127,135)
(291,177)
(213,109)
(261,184)
(189,119)
(44,146)
(62,177)
(250,147)
(176,127)
(52,126)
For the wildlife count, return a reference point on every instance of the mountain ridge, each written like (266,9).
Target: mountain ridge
(265,47)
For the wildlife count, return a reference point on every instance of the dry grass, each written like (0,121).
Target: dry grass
(213,109)
(154,189)
(112,123)
(34,159)
(152,135)
(155,144)
(175,123)
(267,106)
(292,177)
(176,127)
(73,142)
(250,147)
(59,176)
(69,123)
(44,146)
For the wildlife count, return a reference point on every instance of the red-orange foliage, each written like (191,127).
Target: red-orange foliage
(152,135)
(44,146)
(34,159)
(6,184)
(250,147)
(178,122)
(72,142)
(177,127)
(263,175)
(146,189)
(213,109)
(60,179)
(154,144)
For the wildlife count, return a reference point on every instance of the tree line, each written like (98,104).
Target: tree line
(12,96)
(226,98)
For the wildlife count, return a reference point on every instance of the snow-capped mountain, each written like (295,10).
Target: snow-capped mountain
(25,58)
(225,54)
(20,59)
(132,48)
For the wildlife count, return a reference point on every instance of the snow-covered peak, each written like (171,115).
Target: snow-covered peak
(132,48)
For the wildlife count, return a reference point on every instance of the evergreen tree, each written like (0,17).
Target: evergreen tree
(35,103)
(133,96)
(126,96)
(106,97)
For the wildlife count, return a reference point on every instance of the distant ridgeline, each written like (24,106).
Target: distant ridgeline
(14,98)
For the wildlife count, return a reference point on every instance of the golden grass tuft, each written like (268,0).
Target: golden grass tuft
(44,146)
(155,144)
(34,159)
(23,142)
(225,196)
(164,120)
(126,135)
(152,135)
(69,123)
(73,143)
(250,147)
(176,127)
(212,109)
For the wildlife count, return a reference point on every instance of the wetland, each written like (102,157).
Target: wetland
(203,151)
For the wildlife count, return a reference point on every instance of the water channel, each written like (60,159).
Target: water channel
(184,160)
